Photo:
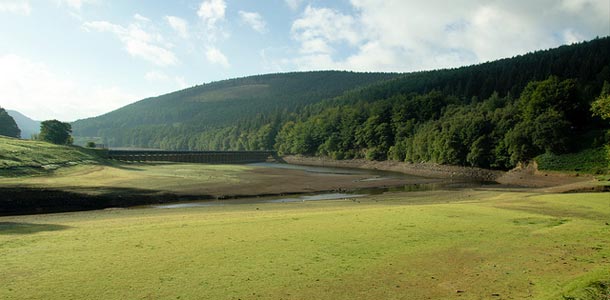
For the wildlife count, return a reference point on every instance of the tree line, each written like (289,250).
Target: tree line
(498,132)
(52,131)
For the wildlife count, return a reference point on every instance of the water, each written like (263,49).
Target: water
(372,176)
(314,169)
(280,199)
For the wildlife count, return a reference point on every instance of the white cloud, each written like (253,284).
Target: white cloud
(179,25)
(137,41)
(156,76)
(212,11)
(254,20)
(318,28)
(141,18)
(570,36)
(34,89)
(409,35)
(74,4)
(181,82)
(293,4)
(215,56)
(159,77)
(20,7)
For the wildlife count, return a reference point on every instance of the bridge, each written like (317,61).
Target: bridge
(209,157)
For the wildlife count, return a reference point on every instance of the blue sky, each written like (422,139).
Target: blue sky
(71,59)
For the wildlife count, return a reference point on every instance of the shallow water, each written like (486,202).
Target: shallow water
(279,199)
(372,175)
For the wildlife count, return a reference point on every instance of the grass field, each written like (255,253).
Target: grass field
(468,244)
(19,157)
(167,177)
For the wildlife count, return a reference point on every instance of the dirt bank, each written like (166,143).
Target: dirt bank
(525,176)
(96,187)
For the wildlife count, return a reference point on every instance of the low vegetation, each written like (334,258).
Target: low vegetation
(175,178)
(19,157)
(423,245)
(591,161)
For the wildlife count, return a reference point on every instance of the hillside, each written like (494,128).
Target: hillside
(8,126)
(26,156)
(147,122)
(28,126)
(493,115)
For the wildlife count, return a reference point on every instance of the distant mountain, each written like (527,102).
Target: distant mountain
(217,104)
(28,126)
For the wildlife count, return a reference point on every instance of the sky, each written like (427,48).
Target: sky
(73,59)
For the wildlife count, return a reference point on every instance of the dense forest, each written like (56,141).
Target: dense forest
(491,115)
(150,122)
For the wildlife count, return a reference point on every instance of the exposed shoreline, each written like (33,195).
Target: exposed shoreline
(99,188)
(39,198)
(524,176)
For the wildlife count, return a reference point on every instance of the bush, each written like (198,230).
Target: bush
(590,161)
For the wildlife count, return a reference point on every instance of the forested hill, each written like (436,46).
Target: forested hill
(491,115)
(588,62)
(190,111)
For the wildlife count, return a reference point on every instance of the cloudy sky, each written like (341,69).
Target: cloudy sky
(71,59)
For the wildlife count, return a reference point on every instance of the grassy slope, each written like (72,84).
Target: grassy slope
(174,178)
(15,153)
(589,161)
(397,246)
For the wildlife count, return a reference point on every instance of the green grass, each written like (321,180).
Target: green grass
(176,178)
(422,245)
(590,161)
(27,156)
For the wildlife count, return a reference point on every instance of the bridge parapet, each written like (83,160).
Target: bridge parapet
(210,157)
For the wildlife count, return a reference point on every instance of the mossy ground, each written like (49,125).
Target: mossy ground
(466,244)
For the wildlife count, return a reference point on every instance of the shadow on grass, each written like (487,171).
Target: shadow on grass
(13,228)
(26,200)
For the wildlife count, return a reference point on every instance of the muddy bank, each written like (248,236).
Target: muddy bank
(99,187)
(417,169)
(524,176)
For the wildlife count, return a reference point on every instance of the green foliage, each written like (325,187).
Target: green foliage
(90,145)
(492,115)
(29,155)
(590,161)
(497,132)
(601,106)
(55,132)
(8,127)
(220,115)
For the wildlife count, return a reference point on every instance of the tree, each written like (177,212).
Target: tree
(8,127)
(55,132)
(601,106)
